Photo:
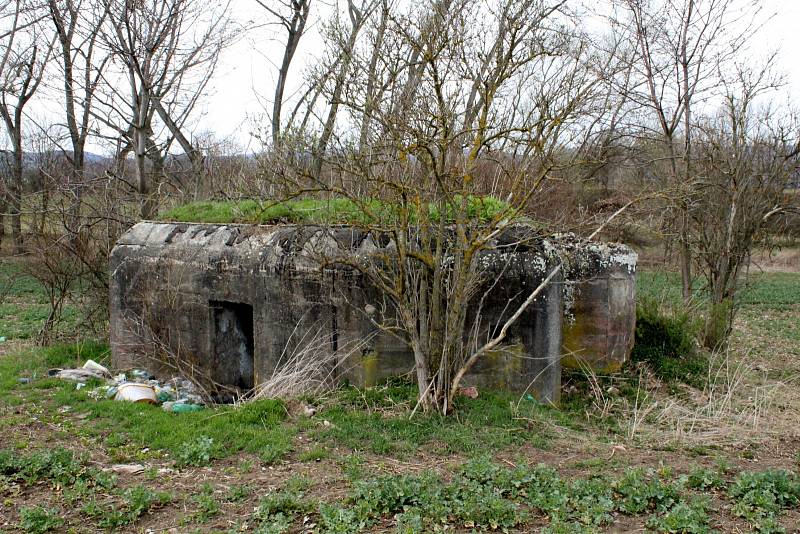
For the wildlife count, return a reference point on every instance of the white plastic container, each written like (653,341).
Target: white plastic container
(135,392)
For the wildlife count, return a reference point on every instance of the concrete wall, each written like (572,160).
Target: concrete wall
(196,286)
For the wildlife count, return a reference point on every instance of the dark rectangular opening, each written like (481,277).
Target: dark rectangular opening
(234,363)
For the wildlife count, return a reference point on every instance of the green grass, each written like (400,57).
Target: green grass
(769,291)
(21,284)
(334,211)
(365,420)
(24,306)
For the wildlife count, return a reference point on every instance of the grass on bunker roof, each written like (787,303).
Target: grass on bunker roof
(315,211)
(360,463)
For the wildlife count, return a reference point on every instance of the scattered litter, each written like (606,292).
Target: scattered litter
(177,395)
(136,392)
(142,375)
(135,469)
(127,469)
(24,380)
(2,339)
(309,410)
(76,375)
(179,407)
(94,366)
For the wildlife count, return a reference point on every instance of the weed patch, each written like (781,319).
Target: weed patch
(136,502)
(277,510)
(197,452)
(683,518)
(760,497)
(666,342)
(37,519)
(58,466)
(486,496)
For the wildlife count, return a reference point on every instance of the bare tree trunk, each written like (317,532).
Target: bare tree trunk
(295,24)
(142,180)
(3,209)
(686,251)
(357,16)
(371,97)
(16,186)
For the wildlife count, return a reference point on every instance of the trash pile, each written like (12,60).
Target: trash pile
(177,395)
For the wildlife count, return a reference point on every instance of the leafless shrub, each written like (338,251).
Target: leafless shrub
(310,368)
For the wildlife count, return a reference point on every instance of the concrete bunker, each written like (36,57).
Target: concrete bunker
(232,301)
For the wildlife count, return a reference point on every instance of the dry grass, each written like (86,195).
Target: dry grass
(738,406)
(309,369)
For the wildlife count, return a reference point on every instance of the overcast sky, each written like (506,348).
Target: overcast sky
(245,77)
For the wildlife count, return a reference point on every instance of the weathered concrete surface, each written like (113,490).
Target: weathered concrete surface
(600,319)
(234,300)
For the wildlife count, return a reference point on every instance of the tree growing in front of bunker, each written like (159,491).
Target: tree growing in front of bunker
(436,111)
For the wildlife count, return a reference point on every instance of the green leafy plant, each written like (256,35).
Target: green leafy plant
(641,491)
(137,501)
(37,519)
(683,518)
(336,520)
(759,497)
(704,479)
(277,509)
(239,492)
(197,452)
(207,505)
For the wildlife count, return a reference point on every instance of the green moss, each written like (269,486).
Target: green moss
(312,211)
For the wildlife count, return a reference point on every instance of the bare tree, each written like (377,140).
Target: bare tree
(476,100)
(82,61)
(24,53)
(745,160)
(168,52)
(680,46)
(343,40)
(293,16)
